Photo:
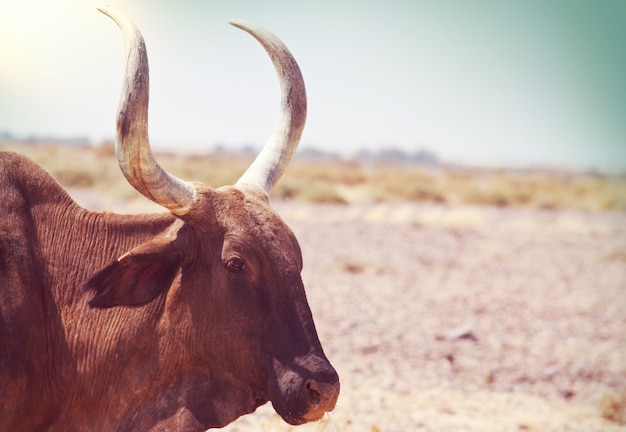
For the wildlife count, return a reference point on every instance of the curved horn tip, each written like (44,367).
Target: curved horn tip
(112,13)
(105,9)
(236,22)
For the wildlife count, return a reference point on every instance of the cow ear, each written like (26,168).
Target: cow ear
(137,277)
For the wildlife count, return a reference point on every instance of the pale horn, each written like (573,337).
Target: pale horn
(132,145)
(271,162)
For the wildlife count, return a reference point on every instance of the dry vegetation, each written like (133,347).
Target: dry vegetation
(351,182)
(346,182)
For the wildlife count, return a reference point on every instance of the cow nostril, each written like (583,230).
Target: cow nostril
(312,393)
(320,397)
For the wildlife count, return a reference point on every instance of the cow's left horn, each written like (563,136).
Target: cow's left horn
(132,145)
(271,162)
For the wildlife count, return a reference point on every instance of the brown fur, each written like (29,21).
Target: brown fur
(111,322)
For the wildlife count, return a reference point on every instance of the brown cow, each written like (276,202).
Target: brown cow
(177,321)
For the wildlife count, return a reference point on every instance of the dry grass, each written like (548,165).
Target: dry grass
(344,182)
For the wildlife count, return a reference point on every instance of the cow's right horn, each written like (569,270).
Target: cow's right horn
(132,145)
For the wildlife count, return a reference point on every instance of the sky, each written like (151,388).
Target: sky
(496,82)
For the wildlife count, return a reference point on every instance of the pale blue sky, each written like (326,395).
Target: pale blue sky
(491,81)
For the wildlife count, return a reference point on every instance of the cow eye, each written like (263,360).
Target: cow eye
(235,264)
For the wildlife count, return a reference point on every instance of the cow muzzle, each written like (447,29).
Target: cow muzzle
(321,398)
(300,395)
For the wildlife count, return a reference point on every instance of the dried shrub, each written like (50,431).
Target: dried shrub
(613,407)
(308,190)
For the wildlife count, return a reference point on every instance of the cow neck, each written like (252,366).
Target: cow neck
(79,242)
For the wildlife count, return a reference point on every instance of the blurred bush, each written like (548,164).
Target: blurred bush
(338,181)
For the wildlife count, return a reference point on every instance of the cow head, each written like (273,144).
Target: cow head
(228,250)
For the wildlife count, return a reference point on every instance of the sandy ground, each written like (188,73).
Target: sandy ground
(463,318)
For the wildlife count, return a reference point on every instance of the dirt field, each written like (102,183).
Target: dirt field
(460,318)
